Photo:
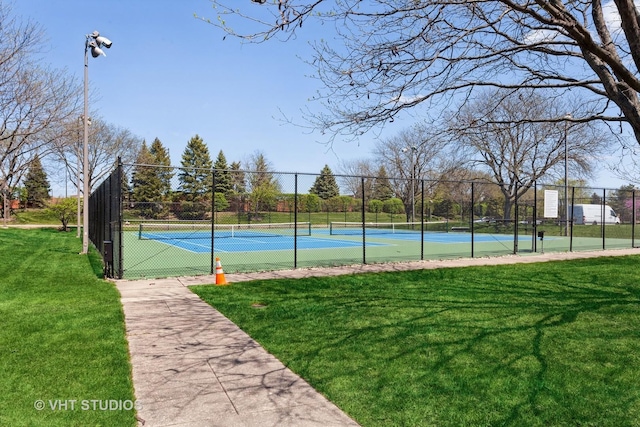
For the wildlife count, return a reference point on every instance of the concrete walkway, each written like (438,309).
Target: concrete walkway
(193,367)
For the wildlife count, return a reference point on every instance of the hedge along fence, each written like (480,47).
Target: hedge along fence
(473,209)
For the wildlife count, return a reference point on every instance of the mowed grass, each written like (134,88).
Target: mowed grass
(62,336)
(548,344)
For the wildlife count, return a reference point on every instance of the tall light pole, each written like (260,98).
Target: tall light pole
(412,149)
(93,42)
(567,117)
(79,175)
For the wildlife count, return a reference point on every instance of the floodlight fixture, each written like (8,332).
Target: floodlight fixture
(103,41)
(95,41)
(95,50)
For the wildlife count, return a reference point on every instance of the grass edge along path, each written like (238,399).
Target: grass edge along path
(555,343)
(64,357)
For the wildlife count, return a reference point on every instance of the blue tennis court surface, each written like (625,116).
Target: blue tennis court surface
(320,239)
(256,244)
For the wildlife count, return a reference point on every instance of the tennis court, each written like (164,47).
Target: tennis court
(273,237)
(166,249)
(198,238)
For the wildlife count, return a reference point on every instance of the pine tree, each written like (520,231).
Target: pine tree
(165,173)
(147,186)
(382,189)
(36,185)
(223,176)
(238,179)
(126,188)
(325,185)
(195,177)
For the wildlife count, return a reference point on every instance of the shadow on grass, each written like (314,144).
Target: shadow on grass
(95,260)
(539,344)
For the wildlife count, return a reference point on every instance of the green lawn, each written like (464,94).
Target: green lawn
(62,337)
(548,344)
(36,216)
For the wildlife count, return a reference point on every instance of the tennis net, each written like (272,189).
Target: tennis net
(356,228)
(202,230)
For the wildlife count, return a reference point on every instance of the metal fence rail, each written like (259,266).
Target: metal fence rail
(259,221)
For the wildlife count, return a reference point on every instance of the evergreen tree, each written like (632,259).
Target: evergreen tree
(382,189)
(238,187)
(36,185)
(147,185)
(165,172)
(196,179)
(223,176)
(126,188)
(325,185)
(238,179)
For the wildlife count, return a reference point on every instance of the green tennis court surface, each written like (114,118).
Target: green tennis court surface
(164,250)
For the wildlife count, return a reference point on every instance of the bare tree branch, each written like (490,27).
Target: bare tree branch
(392,56)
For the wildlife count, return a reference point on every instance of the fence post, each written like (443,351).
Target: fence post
(534,218)
(602,216)
(422,220)
(515,225)
(364,238)
(471,220)
(295,222)
(119,210)
(633,218)
(213,220)
(573,200)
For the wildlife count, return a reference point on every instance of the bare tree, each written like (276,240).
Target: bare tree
(396,55)
(351,173)
(107,142)
(505,134)
(419,153)
(628,169)
(34,102)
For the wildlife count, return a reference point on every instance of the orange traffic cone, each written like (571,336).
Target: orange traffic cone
(220,279)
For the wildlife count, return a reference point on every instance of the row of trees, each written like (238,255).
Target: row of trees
(152,190)
(154,195)
(257,188)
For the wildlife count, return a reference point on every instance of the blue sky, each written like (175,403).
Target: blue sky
(171,76)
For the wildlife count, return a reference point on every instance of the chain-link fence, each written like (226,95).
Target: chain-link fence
(164,221)
(105,222)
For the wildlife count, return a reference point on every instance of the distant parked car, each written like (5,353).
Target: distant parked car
(530,221)
(485,219)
